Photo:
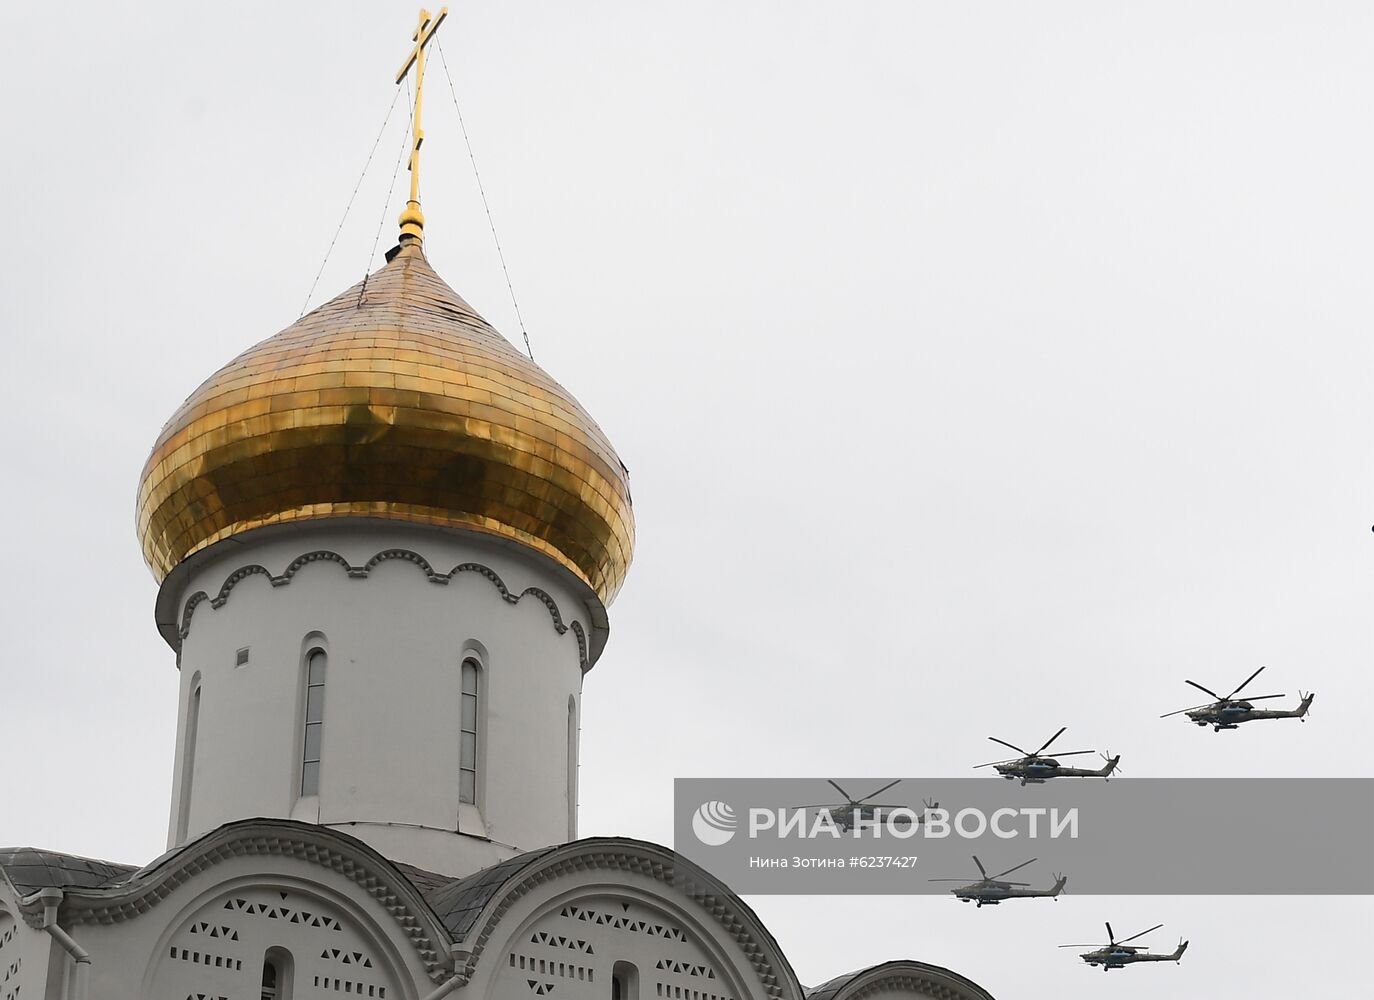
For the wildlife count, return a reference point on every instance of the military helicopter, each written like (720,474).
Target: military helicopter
(1230,711)
(1032,768)
(1116,954)
(856,811)
(991,890)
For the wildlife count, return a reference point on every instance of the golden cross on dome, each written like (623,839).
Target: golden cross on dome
(412,219)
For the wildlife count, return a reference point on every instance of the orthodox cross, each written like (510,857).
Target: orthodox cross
(412,219)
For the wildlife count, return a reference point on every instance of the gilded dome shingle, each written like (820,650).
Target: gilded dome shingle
(394,400)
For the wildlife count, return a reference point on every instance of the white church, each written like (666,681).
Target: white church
(386,512)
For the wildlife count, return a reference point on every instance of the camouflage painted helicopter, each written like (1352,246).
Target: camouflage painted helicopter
(1230,711)
(1034,768)
(854,811)
(991,889)
(1116,954)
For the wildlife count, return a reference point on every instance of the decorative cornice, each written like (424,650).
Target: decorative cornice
(362,573)
(661,864)
(276,838)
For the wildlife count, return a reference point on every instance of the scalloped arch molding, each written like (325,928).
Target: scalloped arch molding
(362,572)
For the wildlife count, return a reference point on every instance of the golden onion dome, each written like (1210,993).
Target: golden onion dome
(394,400)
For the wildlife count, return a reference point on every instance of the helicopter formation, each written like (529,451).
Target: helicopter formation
(990,890)
(1036,767)
(1227,711)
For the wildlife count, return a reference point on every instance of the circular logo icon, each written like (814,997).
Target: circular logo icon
(714,823)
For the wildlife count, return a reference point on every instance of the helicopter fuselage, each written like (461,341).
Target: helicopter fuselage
(1120,955)
(992,892)
(1230,714)
(1111,957)
(1038,770)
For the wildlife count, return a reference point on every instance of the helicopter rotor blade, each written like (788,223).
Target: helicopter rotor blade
(1192,708)
(878,792)
(1049,741)
(1207,690)
(1243,683)
(981,870)
(992,762)
(1010,870)
(1262,697)
(1110,936)
(1141,934)
(836,786)
(1072,753)
(1013,746)
(1080,946)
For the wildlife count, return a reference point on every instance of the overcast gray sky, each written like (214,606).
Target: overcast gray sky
(981,369)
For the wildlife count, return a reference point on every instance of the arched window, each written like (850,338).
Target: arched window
(277,972)
(624,981)
(467,747)
(188,760)
(315,664)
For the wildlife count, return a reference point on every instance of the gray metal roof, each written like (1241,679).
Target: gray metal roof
(30,870)
(459,902)
(828,989)
(424,880)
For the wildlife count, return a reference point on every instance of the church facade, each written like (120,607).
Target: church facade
(385,512)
